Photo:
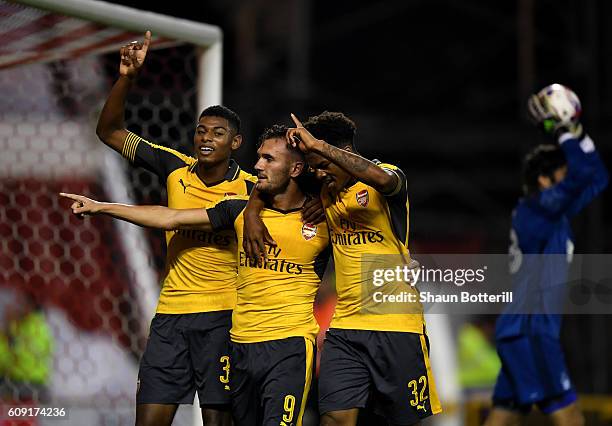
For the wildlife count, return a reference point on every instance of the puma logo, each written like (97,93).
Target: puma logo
(183,185)
(421,407)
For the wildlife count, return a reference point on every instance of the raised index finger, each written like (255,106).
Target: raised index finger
(297,122)
(147,41)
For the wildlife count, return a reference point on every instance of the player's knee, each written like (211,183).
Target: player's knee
(579,420)
(150,421)
(574,419)
(154,414)
(339,418)
(568,416)
(502,417)
(216,416)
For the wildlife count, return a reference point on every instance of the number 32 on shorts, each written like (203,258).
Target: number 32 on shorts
(418,396)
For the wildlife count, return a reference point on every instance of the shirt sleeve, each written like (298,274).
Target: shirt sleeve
(223,214)
(400,189)
(155,158)
(397,200)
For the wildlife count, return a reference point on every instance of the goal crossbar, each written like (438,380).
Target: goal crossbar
(132,19)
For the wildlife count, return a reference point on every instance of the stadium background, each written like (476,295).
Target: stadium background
(436,87)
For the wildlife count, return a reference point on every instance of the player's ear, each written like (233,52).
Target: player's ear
(544,182)
(236,142)
(298,168)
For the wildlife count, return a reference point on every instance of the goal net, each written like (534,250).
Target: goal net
(76,296)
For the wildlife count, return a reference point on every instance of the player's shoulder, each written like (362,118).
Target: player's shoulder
(188,160)
(392,169)
(525,208)
(234,201)
(235,198)
(529,217)
(519,212)
(387,166)
(246,176)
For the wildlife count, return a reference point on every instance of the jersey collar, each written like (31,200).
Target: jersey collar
(232,172)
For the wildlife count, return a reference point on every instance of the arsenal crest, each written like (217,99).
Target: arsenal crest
(363,198)
(309,231)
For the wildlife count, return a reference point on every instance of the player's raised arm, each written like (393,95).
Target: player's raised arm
(111,126)
(581,174)
(150,216)
(360,168)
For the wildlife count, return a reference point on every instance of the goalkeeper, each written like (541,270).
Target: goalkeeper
(559,181)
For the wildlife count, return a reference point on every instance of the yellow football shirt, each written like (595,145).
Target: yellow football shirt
(275,297)
(369,230)
(200,273)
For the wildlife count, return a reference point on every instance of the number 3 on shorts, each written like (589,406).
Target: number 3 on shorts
(418,397)
(225,363)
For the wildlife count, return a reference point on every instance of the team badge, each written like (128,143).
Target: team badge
(363,198)
(309,231)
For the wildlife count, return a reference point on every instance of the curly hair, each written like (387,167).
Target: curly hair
(335,128)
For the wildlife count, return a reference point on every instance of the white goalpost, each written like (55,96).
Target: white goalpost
(208,38)
(54,76)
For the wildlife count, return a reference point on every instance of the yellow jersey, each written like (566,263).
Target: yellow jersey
(368,231)
(275,297)
(200,273)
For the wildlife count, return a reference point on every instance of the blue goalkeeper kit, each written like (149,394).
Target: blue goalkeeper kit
(527,333)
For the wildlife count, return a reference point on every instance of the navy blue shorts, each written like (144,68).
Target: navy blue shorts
(533,372)
(387,371)
(185,353)
(270,381)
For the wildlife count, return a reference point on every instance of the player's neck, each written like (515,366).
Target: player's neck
(212,173)
(292,198)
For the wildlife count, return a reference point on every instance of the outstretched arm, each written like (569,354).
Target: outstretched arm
(111,126)
(360,168)
(149,216)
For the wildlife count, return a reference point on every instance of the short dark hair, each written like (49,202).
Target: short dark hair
(335,128)
(278,131)
(543,160)
(224,112)
(273,132)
